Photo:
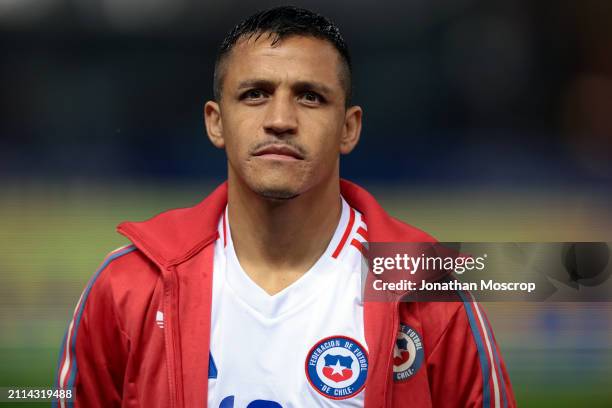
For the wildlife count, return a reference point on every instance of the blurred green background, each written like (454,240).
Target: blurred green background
(54,236)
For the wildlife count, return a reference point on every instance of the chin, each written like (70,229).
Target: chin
(276,191)
(278,195)
(276,184)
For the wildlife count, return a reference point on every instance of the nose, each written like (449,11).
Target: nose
(281,116)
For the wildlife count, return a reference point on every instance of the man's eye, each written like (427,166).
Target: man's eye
(253,94)
(312,97)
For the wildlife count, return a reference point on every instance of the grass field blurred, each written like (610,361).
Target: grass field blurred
(53,237)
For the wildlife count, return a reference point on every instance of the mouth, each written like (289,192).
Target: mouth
(278,152)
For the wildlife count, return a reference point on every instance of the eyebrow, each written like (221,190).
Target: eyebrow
(299,86)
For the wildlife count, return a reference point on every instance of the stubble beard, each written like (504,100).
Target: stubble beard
(276,194)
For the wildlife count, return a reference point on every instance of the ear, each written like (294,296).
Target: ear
(352,129)
(214,124)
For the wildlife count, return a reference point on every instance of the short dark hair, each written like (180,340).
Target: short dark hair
(282,22)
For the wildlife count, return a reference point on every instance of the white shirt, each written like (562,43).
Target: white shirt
(301,347)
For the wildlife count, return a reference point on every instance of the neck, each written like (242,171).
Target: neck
(277,241)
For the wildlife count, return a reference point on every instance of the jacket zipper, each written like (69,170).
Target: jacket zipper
(169,284)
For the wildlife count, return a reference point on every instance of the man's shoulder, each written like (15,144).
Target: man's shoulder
(127,257)
(433,319)
(126,271)
(124,285)
(439,314)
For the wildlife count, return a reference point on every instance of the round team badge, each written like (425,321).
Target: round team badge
(337,367)
(408,354)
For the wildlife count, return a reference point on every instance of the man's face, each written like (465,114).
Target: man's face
(282,115)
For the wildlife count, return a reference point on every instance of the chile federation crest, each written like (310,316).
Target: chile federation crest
(337,367)
(408,353)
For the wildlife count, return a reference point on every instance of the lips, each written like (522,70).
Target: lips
(279,152)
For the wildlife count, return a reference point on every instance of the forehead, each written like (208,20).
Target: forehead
(294,58)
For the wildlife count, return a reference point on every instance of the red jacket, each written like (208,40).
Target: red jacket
(120,351)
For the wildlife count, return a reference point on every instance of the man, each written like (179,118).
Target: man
(252,298)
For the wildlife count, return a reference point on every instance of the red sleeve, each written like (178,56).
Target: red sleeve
(465,367)
(94,351)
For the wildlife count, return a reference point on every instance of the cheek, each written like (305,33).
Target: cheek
(328,141)
(325,154)
(235,133)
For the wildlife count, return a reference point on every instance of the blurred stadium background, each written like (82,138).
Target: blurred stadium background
(484,121)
